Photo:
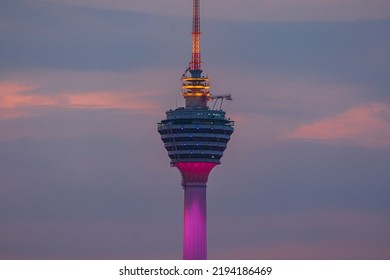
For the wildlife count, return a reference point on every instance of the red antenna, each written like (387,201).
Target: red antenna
(195,62)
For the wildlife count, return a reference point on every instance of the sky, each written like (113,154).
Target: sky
(83,171)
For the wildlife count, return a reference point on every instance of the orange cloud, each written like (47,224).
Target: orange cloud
(367,125)
(16,99)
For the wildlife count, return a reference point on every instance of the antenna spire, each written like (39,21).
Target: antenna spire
(195,87)
(195,62)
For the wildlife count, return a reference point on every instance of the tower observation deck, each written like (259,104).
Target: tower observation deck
(195,137)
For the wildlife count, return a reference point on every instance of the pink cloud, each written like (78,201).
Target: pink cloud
(13,100)
(366,125)
(107,100)
(13,96)
(16,100)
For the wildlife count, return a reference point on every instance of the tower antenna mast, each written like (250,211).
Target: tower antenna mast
(195,87)
(195,63)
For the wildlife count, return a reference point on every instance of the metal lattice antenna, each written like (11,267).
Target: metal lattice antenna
(195,62)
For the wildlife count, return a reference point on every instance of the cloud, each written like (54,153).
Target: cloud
(11,96)
(12,99)
(107,100)
(367,125)
(16,100)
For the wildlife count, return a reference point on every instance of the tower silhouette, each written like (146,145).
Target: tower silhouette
(195,137)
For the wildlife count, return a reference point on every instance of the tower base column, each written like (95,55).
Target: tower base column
(195,175)
(195,226)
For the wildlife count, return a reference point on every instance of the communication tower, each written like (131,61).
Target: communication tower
(195,137)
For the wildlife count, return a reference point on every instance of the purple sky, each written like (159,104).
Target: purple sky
(83,172)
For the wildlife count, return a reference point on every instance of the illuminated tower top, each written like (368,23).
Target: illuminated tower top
(196,87)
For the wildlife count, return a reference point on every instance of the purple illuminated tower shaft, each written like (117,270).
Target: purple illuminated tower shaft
(195,229)
(195,175)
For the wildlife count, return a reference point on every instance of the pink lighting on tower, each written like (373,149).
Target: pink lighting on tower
(195,229)
(195,175)
(195,172)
